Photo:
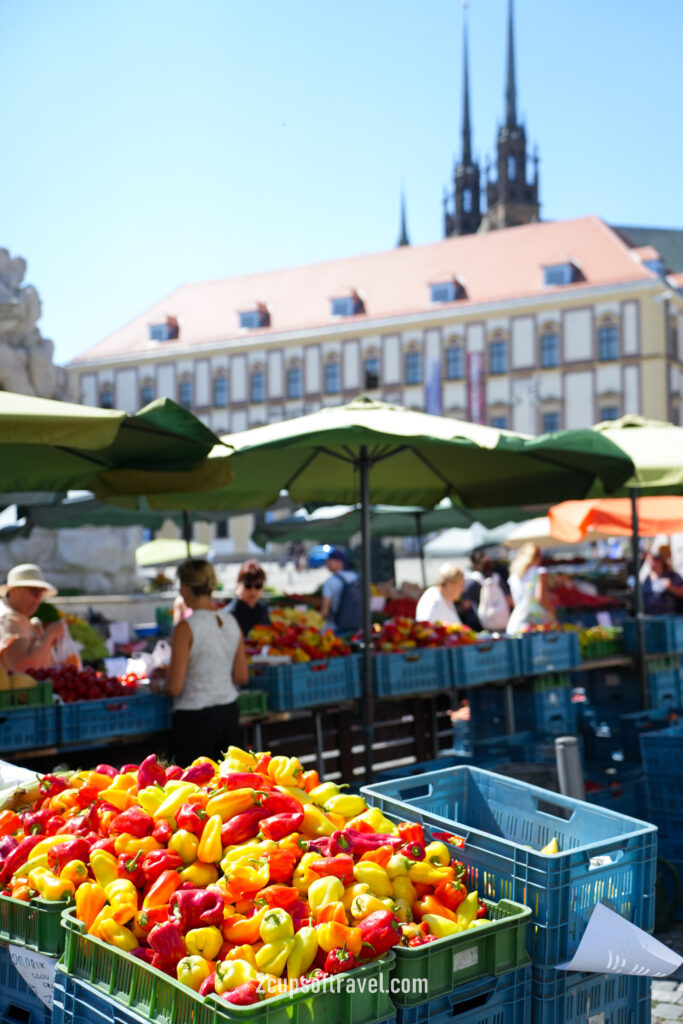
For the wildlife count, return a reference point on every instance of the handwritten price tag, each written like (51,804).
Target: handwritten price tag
(37,970)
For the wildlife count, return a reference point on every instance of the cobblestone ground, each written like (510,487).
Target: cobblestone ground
(667,993)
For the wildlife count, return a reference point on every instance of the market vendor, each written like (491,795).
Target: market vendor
(248,606)
(437,604)
(24,643)
(662,588)
(208,663)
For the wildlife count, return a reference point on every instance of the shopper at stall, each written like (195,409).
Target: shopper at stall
(528,582)
(662,587)
(248,606)
(437,604)
(487,590)
(208,662)
(24,643)
(342,603)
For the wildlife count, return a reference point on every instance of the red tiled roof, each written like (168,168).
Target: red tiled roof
(496,266)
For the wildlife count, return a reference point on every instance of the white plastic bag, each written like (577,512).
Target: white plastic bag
(67,651)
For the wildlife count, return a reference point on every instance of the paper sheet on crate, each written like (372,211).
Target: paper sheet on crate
(612,945)
(37,970)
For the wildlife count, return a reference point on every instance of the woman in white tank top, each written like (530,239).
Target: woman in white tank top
(208,662)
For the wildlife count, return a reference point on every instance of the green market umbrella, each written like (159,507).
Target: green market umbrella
(53,446)
(383,454)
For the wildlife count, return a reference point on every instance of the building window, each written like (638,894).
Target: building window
(371,373)
(560,273)
(347,305)
(551,422)
(294,382)
(512,167)
(498,357)
(499,422)
(445,291)
(147,392)
(550,349)
(107,397)
(413,368)
(186,392)
(455,362)
(467,200)
(222,529)
(332,378)
(608,342)
(166,331)
(258,386)
(609,412)
(220,391)
(252,319)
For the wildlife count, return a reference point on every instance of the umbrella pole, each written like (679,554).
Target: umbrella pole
(420,545)
(187,531)
(638,603)
(367,690)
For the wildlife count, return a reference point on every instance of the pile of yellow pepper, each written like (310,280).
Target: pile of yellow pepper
(247,878)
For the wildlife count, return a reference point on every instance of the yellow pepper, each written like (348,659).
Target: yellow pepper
(334,935)
(231,973)
(245,758)
(151,798)
(49,886)
(174,800)
(303,952)
(244,952)
(299,794)
(276,924)
(123,900)
(210,849)
(315,822)
(90,898)
(328,889)
(186,844)
(374,817)
(398,866)
(201,875)
(404,889)
(437,853)
(192,971)
(358,889)
(375,876)
(204,941)
(303,874)
(247,877)
(46,844)
(429,874)
(273,956)
(321,794)
(125,780)
(231,802)
(403,910)
(75,872)
(442,926)
(467,910)
(117,935)
(285,771)
(248,851)
(34,862)
(346,804)
(104,867)
(126,843)
(122,799)
(365,904)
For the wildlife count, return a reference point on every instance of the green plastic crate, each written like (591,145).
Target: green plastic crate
(36,924)
(159,998)
(494,947)
(33,696)
(601,649)
(252,702)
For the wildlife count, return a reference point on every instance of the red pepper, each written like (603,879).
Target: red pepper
(18,856)
(411,832)
(358,843)
(34,822)
(208,985)
(197,908)
(341,866)
(449,837)
(200,774)
(281,864)
(50,785)
(151,772)
(482,908)
(162,831)
(54,824)
(162,963)
(174,772)
(134,821)
(317,974)
(160,860)
(74,849)
(167,940)
(283,896)
(148,919)
(242,827)
(107,769)
(280,825)
(126,769)
(413,851)
(279,803)
(380,930)
(245,994)
(85,796)
(450,894)
(104,844)
(246,780)
(339,960)
(143,953)
(131,868)
(191,818)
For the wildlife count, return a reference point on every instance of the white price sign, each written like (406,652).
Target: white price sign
(37,970)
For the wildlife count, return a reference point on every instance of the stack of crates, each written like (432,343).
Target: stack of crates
(604,858)
(35,926)
(662,754)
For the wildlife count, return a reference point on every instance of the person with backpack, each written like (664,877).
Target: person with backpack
(488,592)
(342,602)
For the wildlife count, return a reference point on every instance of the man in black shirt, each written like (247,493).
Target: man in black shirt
(247,606)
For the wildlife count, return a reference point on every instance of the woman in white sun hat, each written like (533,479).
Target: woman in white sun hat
(23,641)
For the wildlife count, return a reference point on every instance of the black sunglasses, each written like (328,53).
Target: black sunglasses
(253,586)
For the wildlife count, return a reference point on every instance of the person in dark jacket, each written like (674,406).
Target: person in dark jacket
(248,606)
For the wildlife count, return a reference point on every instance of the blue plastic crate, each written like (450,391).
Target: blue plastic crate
(664,687)
(663,634)
(573,997)
(18,1003)
(487,712)
(661,752)
(408,771)
(506,747)
(623,792)
(548,652)
(84,721)
(502,1000)
(578,617)
(664,799)
(505,822)
(414,671)
(27,728)
(308,684)
(611,692)
(670,839)
(547,709)
(639,723)
(485,662)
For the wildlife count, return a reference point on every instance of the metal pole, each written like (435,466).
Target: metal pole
(418,522)
(638,603)
(569,771)
(187,531)
(367,690)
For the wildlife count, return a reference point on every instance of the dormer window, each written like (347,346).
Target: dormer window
(446,291)
(657,266)
(347,305)
(560,273)
(252,319)
(168,330)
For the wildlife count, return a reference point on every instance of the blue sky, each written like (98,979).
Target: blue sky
(148,143)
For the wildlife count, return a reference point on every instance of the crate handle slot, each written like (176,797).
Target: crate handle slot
(117,707)
(483,648)
(321,666)
(411,657)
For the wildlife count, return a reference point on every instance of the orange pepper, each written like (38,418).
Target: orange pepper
(9,823)
(95,780)
(162,889)
(338,820)
(63,801)
(90,899)
(332,912)
(281,864)
(22,892)
(245,952)
(292,843)
(309,780)
(74,871)
(430,905)
(334,935)
(244,930)
(381,855)
(197,799)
